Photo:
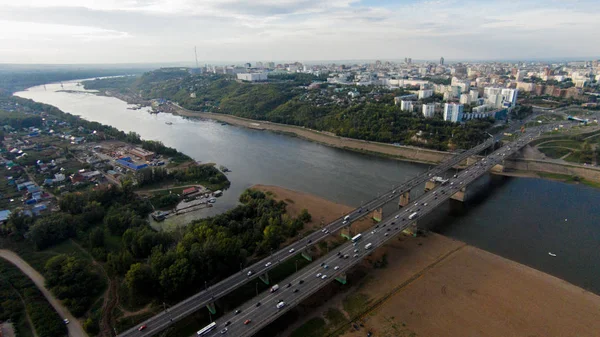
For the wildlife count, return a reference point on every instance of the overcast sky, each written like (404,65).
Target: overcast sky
(131,31)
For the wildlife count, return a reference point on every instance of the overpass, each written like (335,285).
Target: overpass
(207,297)
(263,309)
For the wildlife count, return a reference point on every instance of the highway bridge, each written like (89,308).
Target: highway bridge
(207,297)
(255,314)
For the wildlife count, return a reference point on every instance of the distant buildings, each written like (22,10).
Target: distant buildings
(252,77)
(453,112)
(428,110)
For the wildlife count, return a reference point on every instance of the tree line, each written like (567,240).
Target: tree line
(18,296)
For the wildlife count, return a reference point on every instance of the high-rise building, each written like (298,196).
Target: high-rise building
(509,96)
(453,112)
(429,110)
(520,75)
(425,93)
(441,61)
(406,106)
(465,99)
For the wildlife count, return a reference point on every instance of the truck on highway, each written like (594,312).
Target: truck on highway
(368,246)
(280,305)
(346,218)
(274,288)
(357,237)
(206,329)
(412,216)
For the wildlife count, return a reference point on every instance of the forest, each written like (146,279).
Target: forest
(283,100)
(154,266)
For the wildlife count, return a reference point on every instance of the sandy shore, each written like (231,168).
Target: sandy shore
(436,286)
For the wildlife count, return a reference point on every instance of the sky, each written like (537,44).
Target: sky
(154,31)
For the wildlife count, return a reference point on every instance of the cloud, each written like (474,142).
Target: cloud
(232,30)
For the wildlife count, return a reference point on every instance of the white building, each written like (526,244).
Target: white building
(407,105)
(509,96)
(473,95)
(527,87)
(481,108)
(429,110)
(252,77)
(453,112)
(465,99)
(425,93)
(520,75)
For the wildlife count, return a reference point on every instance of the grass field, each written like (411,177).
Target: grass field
(554,152)
(314,327)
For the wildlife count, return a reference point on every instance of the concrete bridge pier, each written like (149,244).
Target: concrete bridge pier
(429,185)
(404,199)
(461,195)
(411,230)
(265,278)
(342,278)
(211,307)
(346,232)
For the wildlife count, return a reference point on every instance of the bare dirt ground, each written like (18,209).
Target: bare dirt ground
(476,293)
(437,286)
(322,211)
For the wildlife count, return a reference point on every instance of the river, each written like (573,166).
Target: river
(519,218)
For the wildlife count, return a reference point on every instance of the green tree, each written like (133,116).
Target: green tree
(96,237)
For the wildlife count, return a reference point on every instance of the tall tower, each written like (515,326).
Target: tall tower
(441,61)
(196,54)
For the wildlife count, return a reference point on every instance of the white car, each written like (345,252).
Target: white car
(396,217)
(319,275)
(66,320)
(324,277)
(292,250)
(268,264)
(336,268)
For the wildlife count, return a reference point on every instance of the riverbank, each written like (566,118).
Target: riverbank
(407,153)
(412,154)
(436,286)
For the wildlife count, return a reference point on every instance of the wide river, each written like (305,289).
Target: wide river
(519,218)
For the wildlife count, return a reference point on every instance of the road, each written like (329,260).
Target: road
(74,327)
(224,287)
(182,309)
(301,285)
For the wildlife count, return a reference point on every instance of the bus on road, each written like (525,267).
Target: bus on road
(357,237)
(207,329)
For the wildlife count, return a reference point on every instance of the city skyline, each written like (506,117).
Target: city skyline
(67,31)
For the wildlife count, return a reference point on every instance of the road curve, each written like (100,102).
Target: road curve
(74,327)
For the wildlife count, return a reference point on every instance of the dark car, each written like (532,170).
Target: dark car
(301,281)
(227,323)
(237,311)
(322,264)
(257,304)
(309,241)
(288,285)
(295,290)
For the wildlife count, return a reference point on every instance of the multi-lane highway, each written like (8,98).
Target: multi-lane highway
(224,287)
(263,309)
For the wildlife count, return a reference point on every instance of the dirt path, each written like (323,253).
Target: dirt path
(75,329)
